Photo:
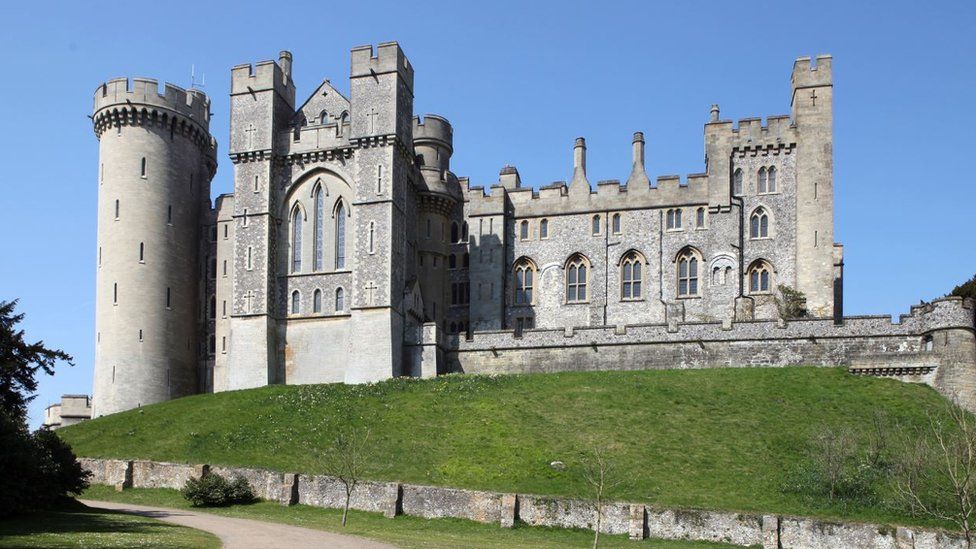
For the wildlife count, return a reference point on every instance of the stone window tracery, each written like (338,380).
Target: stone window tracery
(631,276)
(688,264)
(524,281)
(760,277)
(576,279)
(767,180)
(759,224)
(674,219)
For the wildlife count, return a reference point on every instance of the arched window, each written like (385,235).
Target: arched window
(317,301)
(296,302)
(455,233)
(688,262)
(464,231)
(700,218)
(544,228)
(340,302)
(323,117)
(466,260)
(596,225)
(616,223)
(319,221)
(213,306)
(524,281)
(760,278)
(296,240)
(763,181)
(674,219)
(524,230)
(631,275)
(759,224)
(737,182)
(340,236)
(452,261)
(372,237)
(771,179)
(576,269)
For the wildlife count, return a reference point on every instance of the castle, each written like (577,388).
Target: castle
(349,250)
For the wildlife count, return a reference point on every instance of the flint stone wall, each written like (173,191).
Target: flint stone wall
(637,520)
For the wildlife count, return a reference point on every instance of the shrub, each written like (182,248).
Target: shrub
(213,490)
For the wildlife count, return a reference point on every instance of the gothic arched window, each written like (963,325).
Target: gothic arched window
(340,301)
(737,182)
(760,277)
(296,240)
(616,223)
(340,236)
(596,225)
(524,281)
(296,302)
(524,230)
(759,224)
(700,218)
(544,228)
(688,262)
(771,179)
(576,269)
(317,301)
(674,218)
(631,275)
(319,228)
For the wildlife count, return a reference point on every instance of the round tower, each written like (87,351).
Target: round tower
(440,194)
(156,160)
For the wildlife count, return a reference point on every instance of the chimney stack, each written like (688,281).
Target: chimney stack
(284,61)
(713,117)
(579,156)
(639,148)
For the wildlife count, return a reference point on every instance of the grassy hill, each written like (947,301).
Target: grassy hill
(701,438)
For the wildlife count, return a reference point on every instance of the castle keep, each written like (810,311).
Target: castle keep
(350,251)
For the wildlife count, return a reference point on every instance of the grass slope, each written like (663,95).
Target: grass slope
(402,531)
(701,438)
(98,529)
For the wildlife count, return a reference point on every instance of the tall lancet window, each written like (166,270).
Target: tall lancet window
(319,228)
(296,241)
(340,236)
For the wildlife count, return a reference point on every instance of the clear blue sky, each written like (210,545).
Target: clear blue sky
(519,81)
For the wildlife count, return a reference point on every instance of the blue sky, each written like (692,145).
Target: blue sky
(519,81)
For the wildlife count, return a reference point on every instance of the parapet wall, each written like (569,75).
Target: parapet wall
(638,520)
(936,336)
(192,104)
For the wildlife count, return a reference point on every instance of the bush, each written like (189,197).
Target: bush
(213,490)
(39,468)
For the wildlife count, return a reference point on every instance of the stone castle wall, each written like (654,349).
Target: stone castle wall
(639,521)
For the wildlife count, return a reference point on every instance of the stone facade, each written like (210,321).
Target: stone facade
(71,410)
(638,521)
(350,252)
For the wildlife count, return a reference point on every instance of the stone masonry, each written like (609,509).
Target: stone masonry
(350,251)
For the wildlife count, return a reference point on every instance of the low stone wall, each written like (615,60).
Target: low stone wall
(637,520)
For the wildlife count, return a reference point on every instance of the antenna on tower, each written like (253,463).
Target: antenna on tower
(193,79)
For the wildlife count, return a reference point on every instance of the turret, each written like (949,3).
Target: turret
(439,196)
(156,160)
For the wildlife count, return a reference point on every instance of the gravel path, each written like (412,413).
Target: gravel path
(238,533)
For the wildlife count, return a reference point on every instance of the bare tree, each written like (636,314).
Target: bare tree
(936,475)
(346,459)
(834,450)
(599,473)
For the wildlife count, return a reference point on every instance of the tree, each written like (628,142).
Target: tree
(20,361)
(831,458)
(599,473)
(346,459)
(936,471)
(791,303)
(966,289)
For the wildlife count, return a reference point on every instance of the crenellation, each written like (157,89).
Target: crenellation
(348,224)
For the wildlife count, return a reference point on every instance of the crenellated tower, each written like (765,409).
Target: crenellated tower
(156,160)
(439,195)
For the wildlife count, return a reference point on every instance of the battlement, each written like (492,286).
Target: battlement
(389,58)
(193,104)
(262,76)
(432,127)
(775,130)
(808,74)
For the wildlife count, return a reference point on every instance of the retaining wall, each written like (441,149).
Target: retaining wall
(639,521)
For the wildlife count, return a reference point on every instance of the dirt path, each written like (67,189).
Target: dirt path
(238,533)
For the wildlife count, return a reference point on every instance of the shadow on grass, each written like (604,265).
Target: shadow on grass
(81,520)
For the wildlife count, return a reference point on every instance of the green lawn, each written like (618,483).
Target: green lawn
(91,529)
(719,438)
(402,531)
